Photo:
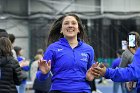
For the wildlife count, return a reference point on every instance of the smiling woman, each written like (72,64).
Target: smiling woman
(68,57)
(70,28)
(57,32)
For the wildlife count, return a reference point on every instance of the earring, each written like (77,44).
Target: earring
(61,32)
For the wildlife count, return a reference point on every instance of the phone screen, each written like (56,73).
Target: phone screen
(124,44)
(132,40)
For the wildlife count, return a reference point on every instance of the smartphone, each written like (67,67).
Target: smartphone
(132,40)
(124,44)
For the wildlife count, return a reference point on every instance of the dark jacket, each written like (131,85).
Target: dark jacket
(43,86)
(10,75)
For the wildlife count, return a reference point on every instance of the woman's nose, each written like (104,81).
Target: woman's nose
(70,25)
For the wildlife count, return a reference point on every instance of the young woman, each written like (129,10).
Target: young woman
(24,64)
(68,57)
(10,71)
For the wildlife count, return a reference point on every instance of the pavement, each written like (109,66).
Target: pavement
(106,86)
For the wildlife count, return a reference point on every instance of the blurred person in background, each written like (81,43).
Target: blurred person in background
(115,64)
(129,73)
(3,33)
(40,52)
(68,57)
(34,65)
(10,71)
(38,55)
(24,64)
(39,86)
(127,57)
(12,39)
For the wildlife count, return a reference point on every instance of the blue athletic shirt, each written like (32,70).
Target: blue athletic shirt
(69,66)
(130,73)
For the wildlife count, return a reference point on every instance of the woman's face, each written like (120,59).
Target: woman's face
(21,52)
(70,27)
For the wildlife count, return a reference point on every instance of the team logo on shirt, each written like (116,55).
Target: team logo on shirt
(59,49)
(84,57)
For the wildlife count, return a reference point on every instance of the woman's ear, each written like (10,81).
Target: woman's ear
(78,32)
(61,32)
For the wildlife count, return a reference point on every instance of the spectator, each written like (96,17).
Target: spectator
(115,64)
(127,57)
(129,73)
(10,71)
(3,33)
(12,39)
(24,64)
(39,86)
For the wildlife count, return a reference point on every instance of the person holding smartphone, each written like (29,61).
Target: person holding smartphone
(129,73)
(127,57)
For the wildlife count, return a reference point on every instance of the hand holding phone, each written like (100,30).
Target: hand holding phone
(132,40)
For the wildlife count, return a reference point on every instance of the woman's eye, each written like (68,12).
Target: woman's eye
(73,23)
(66,23)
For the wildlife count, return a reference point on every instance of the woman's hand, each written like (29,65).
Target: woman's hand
(44,66)
(95,71)
(129,85)
(101,70)
(90,75)
(24,63)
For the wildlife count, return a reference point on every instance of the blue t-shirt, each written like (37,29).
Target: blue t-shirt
(69,66)
(116,62)
(25,68)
